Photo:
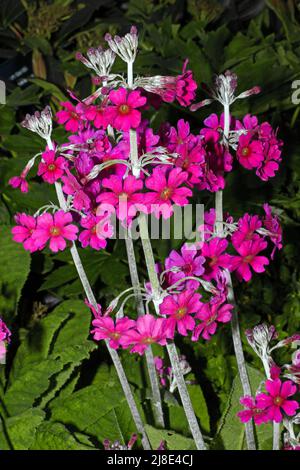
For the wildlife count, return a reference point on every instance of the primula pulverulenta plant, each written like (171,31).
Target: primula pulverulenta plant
(114,166)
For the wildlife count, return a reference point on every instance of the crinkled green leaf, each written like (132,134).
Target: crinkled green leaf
(18,432)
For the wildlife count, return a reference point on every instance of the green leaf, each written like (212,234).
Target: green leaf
(14,270)
(55,436)
(51,350)
(199,405)
(7,120)
(92,410)
(49,88)
(24,97)
(177,416)
(173,441)
(19,431)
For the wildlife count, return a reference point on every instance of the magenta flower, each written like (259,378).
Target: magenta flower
(217,161)
(272,159)
(19,182)
(179,136)
(272,224)
(252,411)
(5,334)
(247,226)
(99,115)
(178,308)
(123,196)
(186,87)
(276,401)
(72,187)
(51,168)
(98,229)
(214,126)
(249,257)
(56,228)
(215,258)
(96,311)
(23,231)
(250,123)
(91,141)
(249,154)
(211,314)
(70,116)
(188,262)
(272,152)
(165,186)
(124,115)
(106,328)
(148,330)
(191,158)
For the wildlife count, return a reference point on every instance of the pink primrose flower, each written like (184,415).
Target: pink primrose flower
(179,309)
(148,330)
(51,168)
(249,257)
(124,115)
(56,229)
(23,231)
(114,331)
(275,402)
(166,189)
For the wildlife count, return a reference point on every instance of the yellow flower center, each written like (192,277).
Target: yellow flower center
(180,313)
(148,341)
(278,401)
(115,335)
(166,194)
(55,231)
(124,109)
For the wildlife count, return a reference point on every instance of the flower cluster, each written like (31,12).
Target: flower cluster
(279,402)
(113,165)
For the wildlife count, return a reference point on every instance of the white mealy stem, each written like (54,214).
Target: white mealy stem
(235,328)
(113,353)
(158,412)
(171,348)
(134,157)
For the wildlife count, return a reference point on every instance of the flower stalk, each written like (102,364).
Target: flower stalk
(235,329)
(156,397)
(171,348)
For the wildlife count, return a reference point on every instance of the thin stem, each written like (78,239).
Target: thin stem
(185,397)
(235,328)
(158,411)
(134,157)
(171,348)
(113,353)
(130,74)
(239,354)
(276,436)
